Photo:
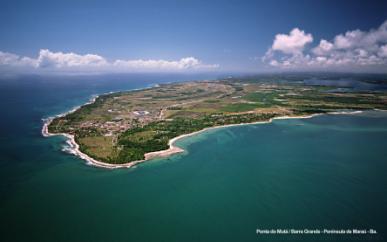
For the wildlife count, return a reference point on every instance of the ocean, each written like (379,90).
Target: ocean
(327,172)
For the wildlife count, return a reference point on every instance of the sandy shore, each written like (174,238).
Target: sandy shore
(74,147)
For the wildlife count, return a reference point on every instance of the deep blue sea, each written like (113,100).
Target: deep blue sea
(327,172)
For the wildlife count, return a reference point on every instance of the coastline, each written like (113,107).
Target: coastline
(74,147)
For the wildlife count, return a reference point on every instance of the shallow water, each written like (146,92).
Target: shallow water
(323,172)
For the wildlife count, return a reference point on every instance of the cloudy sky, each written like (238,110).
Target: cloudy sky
(192,36)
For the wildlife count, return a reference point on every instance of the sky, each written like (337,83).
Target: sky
(192,36)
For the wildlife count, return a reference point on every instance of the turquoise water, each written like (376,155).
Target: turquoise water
(325,172)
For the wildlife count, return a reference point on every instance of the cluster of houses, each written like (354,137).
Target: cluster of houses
(119,124)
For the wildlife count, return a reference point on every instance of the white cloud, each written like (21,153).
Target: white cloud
(323,48)
(293,43)
(182,64)
(345,42)
(354,51)
(72,62)
(60,60)
(383,51)
(9,59)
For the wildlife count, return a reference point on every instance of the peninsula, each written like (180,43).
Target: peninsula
(125,128)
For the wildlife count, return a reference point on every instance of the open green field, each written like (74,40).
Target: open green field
(122,127)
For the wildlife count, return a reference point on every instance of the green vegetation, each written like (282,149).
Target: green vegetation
(211,101)
(240,107)
(267,98)
(100,147)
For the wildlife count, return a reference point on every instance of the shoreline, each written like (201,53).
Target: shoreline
(92,99)
(74,147)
